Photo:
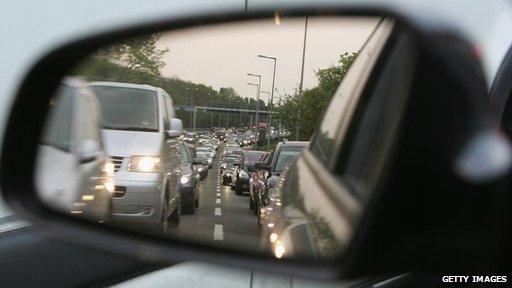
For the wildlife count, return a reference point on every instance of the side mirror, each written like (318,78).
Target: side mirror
(176,128)
(261,166)
(89,150)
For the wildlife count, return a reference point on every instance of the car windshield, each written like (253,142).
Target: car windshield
(231,159)
(127,108)
(286,156)
(230,166)
(184,155)
(253,157)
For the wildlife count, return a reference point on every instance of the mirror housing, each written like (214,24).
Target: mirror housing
(16,178)
(176,128)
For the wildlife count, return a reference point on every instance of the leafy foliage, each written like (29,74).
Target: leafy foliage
(305,112)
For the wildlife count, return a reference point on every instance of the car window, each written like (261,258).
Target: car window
(184,154)
(58,132)
(127,108)
(286,156)
(370,138)
(338,114)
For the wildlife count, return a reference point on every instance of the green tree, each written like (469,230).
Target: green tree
(139,54)
(306,112)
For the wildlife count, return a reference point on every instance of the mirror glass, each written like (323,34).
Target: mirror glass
(247,95)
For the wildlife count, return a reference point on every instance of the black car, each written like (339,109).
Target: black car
(241,183)
(189,196)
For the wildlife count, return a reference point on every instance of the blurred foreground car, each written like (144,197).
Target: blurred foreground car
(73,159)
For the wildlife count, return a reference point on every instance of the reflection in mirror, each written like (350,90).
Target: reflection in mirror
(183,134)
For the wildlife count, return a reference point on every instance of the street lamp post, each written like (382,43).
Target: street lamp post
(268,117)
(297,128)
(257,102)
(270,106)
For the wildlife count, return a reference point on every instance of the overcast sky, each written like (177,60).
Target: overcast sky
(220,56)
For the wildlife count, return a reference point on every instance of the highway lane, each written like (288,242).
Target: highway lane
(222,218)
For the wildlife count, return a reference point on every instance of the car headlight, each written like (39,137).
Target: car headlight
(144,164)
(243,174)
(109,167)
(199,169)
(185,179)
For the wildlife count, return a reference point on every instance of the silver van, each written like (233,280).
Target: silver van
(141,139)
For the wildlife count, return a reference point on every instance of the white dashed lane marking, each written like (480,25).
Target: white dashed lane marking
(217,201)
(218,212)
(218,233)
(218,194)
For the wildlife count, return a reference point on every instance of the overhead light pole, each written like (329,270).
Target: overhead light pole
(268,117)
(257,103)
(270,106)
(297,128)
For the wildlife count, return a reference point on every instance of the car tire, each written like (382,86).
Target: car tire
(175,216)
(251,203)
(196,202)
(188,208)
(256,208)
(238,191)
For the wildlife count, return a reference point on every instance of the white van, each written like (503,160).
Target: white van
(141,139)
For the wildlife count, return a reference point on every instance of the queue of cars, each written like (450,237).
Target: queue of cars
(126,138)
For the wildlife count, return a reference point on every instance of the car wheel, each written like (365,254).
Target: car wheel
(251,203)
(175,216)
(196,202)
(238,190)
(188,208)
(256,208)
(164,221)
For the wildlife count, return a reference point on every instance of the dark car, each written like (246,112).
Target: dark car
(189,196)
(284,154)
(201,165)
(229,172)
(241,183)
(268,175)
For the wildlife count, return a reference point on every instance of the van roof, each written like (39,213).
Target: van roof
(126,85)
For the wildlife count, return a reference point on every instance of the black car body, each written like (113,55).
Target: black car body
(189,196)
(242,179)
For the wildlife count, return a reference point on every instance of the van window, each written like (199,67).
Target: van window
(127,108)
